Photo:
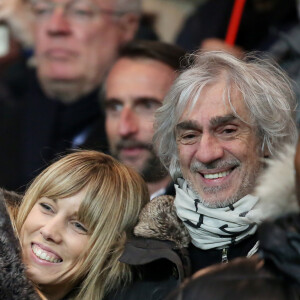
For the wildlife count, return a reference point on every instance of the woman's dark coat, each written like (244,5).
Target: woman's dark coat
(14,284)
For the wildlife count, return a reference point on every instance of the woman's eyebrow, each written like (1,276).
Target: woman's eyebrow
(48,198)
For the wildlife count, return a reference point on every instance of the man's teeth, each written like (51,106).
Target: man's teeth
(40,253)
(216,175)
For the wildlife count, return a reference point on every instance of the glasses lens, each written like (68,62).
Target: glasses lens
(80,11)
(42,8)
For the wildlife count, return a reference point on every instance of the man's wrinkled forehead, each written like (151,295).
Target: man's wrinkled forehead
(231,102)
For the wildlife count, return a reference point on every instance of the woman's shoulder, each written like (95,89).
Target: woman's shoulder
(11,201)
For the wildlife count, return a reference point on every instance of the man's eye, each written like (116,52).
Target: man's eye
(228,130)
(79,227)
(82,13)
(113,107)
(188,138)
(148,106)
(41,10)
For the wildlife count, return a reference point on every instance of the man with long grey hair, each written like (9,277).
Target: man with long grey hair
(222,122)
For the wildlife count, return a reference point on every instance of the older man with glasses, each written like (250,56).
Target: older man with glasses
(55,106)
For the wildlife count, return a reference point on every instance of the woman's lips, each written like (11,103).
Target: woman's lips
(45,253)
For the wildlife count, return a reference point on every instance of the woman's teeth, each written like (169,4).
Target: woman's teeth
(44,255)
(216,175)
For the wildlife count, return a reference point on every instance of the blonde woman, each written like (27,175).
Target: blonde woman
(72,225)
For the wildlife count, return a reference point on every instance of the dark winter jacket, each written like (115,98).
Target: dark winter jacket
(160,249)
(14,284)
(211,20)
(35,129)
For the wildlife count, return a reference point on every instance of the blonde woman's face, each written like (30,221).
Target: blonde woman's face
(52,239)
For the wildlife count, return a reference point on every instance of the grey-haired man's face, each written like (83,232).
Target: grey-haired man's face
(219,154)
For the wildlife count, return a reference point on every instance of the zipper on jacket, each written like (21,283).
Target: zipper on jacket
(224,255)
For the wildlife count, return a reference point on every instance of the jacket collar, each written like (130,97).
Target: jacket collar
(160,231)
(276,189)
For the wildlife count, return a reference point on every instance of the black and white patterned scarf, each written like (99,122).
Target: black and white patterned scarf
(214,227)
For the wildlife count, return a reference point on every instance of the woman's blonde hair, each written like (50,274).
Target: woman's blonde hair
(115,194)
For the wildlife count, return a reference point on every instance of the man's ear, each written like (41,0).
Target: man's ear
(129,23)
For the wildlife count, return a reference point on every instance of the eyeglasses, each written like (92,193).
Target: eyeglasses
(75,11)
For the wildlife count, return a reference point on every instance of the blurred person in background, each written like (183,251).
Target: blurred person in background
(53,107)
(135,87)
(207,27)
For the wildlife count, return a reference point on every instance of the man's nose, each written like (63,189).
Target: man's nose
(58,22)
(129,123)
(209,149)
(52,230)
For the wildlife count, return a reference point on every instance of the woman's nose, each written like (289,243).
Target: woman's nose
(52,231)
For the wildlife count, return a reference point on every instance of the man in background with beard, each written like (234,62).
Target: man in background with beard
(135,87)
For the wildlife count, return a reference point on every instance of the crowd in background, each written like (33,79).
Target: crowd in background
(132,168)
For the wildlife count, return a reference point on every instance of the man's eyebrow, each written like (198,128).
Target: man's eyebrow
(108,100)
(137,99)
(221,120)
(189,124)
(147,99)
(216,121)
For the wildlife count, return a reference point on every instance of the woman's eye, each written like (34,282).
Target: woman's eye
(46,207)
(79,227)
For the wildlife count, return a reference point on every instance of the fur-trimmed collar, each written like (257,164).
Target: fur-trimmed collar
(13,281)
(158,220)
(276,189)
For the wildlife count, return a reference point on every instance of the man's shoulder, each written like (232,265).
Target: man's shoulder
(144,289)
(158,268)
(159,239)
